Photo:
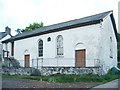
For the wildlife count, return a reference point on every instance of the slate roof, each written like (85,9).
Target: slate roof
(2,35)
(94,19)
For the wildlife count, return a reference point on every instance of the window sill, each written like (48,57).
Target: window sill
(40,57)
(59,56)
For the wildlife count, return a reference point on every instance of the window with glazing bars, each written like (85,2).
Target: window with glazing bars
(59,45)
(40,48)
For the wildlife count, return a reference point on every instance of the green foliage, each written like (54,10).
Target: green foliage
(118,45)
(118,37)
(32,27)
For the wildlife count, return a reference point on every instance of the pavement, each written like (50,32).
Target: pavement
(113,85)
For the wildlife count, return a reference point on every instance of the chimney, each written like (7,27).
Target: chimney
(8,30)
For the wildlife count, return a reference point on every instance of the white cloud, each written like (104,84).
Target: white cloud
(19,13)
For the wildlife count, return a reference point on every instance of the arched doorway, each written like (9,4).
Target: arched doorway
(80,55)
(26,59)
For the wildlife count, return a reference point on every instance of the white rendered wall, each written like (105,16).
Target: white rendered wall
(87,35)
(107,31)
(4,46)
(6,37)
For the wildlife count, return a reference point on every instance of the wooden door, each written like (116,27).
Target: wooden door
(27,60)
(80,58)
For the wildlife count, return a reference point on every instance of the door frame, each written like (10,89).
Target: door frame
(27,63)
(76,62)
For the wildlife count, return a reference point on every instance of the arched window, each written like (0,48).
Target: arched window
(59,45)
(40,48)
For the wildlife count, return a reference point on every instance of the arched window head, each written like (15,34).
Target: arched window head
(59,45)
(40,48)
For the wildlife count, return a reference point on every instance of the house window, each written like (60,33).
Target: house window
(48,39)
(5,54)
(59,45)
(40,48)
(111,49)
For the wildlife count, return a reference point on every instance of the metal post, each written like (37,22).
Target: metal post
(42,63)
(57,62)
(8,62)
(32,63)
(37,63)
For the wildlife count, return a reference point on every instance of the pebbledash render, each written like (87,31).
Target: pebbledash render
(89,42)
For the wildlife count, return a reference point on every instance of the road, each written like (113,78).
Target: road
(26,83)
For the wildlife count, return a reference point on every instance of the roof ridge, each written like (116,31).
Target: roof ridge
(88,20)
(70,20)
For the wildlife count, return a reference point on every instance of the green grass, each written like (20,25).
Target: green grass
(58,78)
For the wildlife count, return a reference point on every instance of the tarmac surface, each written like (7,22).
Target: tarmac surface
(113,85)
(25,83)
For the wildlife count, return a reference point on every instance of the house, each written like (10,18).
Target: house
(88,42)
(3,36)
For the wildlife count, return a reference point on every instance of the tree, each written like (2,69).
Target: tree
(32,27)
(18,31)
(118,45)
(118,48)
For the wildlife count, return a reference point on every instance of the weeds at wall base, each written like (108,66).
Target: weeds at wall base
(62,78)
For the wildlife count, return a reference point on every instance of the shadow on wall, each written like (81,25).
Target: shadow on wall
(0,57)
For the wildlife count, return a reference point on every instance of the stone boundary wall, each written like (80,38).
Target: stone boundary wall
(45,71)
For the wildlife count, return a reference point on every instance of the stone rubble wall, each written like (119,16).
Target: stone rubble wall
(45,71)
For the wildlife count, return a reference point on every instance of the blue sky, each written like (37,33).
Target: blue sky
(20,13)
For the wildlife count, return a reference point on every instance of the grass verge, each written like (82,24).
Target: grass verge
(58,78)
